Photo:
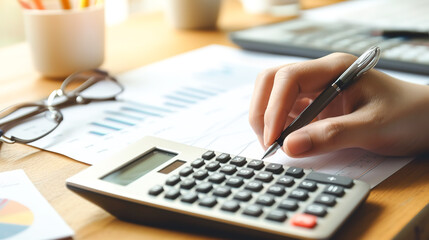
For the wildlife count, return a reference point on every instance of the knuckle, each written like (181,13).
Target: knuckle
(333,132)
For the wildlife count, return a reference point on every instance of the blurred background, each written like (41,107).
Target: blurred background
(11,23)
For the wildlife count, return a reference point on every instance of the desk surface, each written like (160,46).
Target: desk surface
(145,39)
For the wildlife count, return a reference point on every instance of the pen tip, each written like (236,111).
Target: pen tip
(271,150)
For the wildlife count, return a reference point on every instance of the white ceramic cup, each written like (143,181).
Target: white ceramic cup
(65,41)
(193,14)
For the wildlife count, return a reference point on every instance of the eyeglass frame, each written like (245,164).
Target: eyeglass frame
(71,98)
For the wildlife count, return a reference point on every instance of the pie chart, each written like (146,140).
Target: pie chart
(14,218)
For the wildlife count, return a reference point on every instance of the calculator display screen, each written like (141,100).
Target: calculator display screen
(139,167)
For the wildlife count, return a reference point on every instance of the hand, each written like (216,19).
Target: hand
(378,112)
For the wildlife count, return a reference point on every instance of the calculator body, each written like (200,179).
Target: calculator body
(315,39)
(159,182)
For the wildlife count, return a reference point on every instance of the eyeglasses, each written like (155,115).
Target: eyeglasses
(28,122)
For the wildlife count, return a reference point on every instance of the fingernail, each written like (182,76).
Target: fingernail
(298,143)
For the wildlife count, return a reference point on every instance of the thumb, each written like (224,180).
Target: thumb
(329,134)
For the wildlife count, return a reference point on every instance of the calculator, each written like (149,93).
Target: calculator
(314,39)
(160,182)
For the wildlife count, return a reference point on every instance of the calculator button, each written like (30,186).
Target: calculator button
(222,191)
(299,194)
(208,155)
(330,179)
(201,174)
(217,177)
(228,169)
(197,163)
(289,204)
(173,180)
(190,197)
(245,173)
(223,158)
(243,196)
(234,181)
(264,176)
(316,209)
(213,166)
(326,199)
(276,189)
(253,210)
(274,168)
(266,200)
(254,186)
(186,171)
(286,181)
(334,190)
(277,215)
(156,190)
(295,172)
(204,187)
(308,185)
(172,193)
(239,161)
(208,201)
(256,164)
(304,220)
(187,183)
(230,206)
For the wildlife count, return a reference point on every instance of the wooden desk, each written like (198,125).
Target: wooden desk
(145,39)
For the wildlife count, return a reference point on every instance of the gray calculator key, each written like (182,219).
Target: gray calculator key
(264,176)
(222,191)
(230,206)
(201,174)
(266,200)
(274,168)
(197,163)
(243,195)
(299,194)
(289,204)
(228,169)
(326,199)
(330,179)
(156,190)
(187,183)
(235,181)
(276,189)
(287,181)
(334,190)
(277,215)
(217,177)
(256,164)
(295,172)
(204,187)
(308,185)
(316,209)
(189,197)
(239,161)
(172,193)
(213,166)
(208,201)
(254,186)
(245,173)
(223,158)
(208,155)
(253,210)
(186,171)
(172,180)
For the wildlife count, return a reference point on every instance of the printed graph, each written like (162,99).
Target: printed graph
(14,218)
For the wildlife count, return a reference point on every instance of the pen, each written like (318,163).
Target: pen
(39,4)
(364,63)
(401,33)
(65,4)
(24,4)
(84,3)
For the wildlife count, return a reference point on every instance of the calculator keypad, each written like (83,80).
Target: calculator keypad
(254,188)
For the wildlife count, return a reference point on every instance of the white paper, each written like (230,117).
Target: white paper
(25,213)
(217,82)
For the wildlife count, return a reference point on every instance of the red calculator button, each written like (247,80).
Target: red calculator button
(304,220)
